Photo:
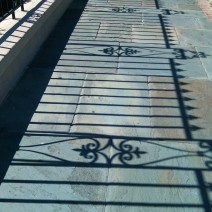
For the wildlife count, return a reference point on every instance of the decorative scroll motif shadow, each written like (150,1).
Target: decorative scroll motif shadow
(124,152)
(127,154)
(119,51)
(208,150)
(123,10)
(171,12)
(133,51)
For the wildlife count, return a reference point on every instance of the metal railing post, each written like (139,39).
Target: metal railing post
(8,7)
(13,9)
(22,5)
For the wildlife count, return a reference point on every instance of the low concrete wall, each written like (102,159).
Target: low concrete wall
(19,48)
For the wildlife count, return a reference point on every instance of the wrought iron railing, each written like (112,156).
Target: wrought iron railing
(8,7)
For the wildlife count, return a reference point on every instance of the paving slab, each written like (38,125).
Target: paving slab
(109,118)
(167,118)
(184,21)
(182,5)
(187,20)
(190,37)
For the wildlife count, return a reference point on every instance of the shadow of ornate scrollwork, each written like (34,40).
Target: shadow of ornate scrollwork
(178,53)
(207,146)
(124,152)
(119,51)
(123,10)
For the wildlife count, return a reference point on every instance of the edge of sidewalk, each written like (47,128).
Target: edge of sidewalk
(22,38)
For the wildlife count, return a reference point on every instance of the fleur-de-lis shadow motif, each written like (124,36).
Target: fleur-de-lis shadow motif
(119,51)
(123,10)
(124,152)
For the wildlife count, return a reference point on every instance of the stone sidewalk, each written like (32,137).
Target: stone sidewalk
(114,113)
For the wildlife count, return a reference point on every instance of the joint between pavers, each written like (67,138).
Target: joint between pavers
(97,33)
(80,96)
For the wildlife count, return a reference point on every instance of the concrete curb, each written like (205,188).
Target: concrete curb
(21,44)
